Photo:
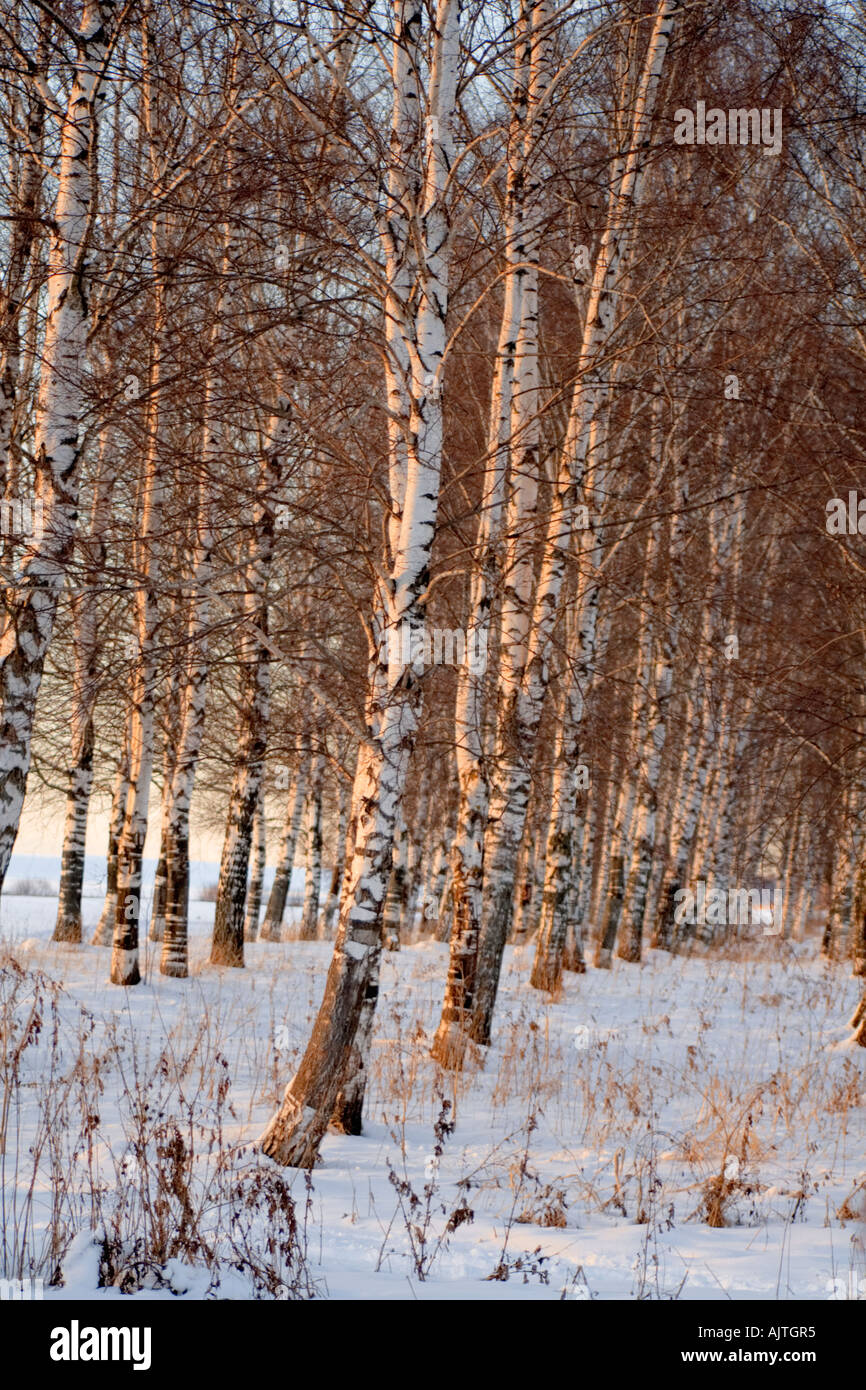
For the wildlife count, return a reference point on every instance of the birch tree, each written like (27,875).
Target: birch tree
(32,605)
(333,1063)
(509,801)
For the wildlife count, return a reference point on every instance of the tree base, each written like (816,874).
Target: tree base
(104,934)
(452,1048)
(547,976)
(630,951)
(292,1138)
(227,955)
(348,1114)
(68,929)
(124,968)
(175,970)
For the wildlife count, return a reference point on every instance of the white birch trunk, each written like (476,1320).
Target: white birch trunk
(228,932)
(329,912)
(24,205)
(259,851)
(104,932)
(273,923)
(397,896)
(80,778)
(313,860)
(31,605)
(467,855)
(331,1077)
(510,797)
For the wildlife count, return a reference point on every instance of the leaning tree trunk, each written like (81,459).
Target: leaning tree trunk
(627,810)
(514,747)
(335,1060)
(435,885)
(160,881)
(348,1110)
(228,932)
(418,851)
(174,960)
(157,906)
(693,780)
(68,924)
(160,878)
(841,898)
(124,958)
(560,891)
(528,913)
(658,673)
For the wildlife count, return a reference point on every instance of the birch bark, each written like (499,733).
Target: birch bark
(523,708)
(31,605)
(254,893)
(467,853)
(147,553)
(275,911)
(313,861)
(85,688)
(228,933)
(105,927)
(335,1062)
(329,912)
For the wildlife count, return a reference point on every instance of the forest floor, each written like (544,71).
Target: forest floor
(694,1128)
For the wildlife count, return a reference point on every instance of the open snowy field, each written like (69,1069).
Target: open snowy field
(692,1129)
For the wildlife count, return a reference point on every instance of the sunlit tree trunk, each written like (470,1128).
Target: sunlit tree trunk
(80,783)
(336,1059)
(24,212)
(31,603)
(526,638)
(517,323)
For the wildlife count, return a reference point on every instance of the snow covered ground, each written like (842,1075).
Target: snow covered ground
(602,1135)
